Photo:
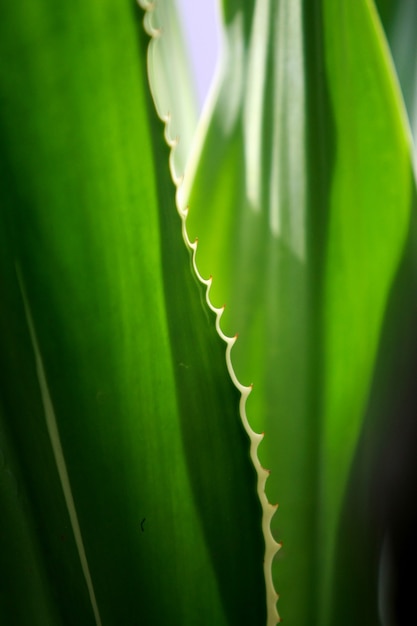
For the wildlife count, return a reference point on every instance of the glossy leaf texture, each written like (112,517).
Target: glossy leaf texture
(300,193)
(127,491)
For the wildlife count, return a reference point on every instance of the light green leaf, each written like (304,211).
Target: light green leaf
(300,195)
(370,204)
(169,76)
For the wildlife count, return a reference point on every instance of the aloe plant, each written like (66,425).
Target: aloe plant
(132,486)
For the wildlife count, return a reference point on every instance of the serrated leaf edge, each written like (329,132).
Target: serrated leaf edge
(268,509)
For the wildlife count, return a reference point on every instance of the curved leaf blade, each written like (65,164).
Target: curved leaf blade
(87,217)
(304,248)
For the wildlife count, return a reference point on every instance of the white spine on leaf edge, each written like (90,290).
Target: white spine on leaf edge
(268,510)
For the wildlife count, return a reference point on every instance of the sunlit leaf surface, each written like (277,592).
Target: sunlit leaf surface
(300,194)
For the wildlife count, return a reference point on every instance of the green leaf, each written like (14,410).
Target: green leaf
(23,574)
(399,19)
(300,193)
(169,72)
(369,218)
(119,418)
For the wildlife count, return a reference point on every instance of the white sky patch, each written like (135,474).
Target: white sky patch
(201,25)
(53,432)
(253,102)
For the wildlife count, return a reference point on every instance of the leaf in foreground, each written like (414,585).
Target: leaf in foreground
(119,421)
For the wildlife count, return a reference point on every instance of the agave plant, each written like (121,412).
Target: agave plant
(132,480)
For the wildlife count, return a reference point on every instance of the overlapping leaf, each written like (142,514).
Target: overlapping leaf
(300,194)
(399,20)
